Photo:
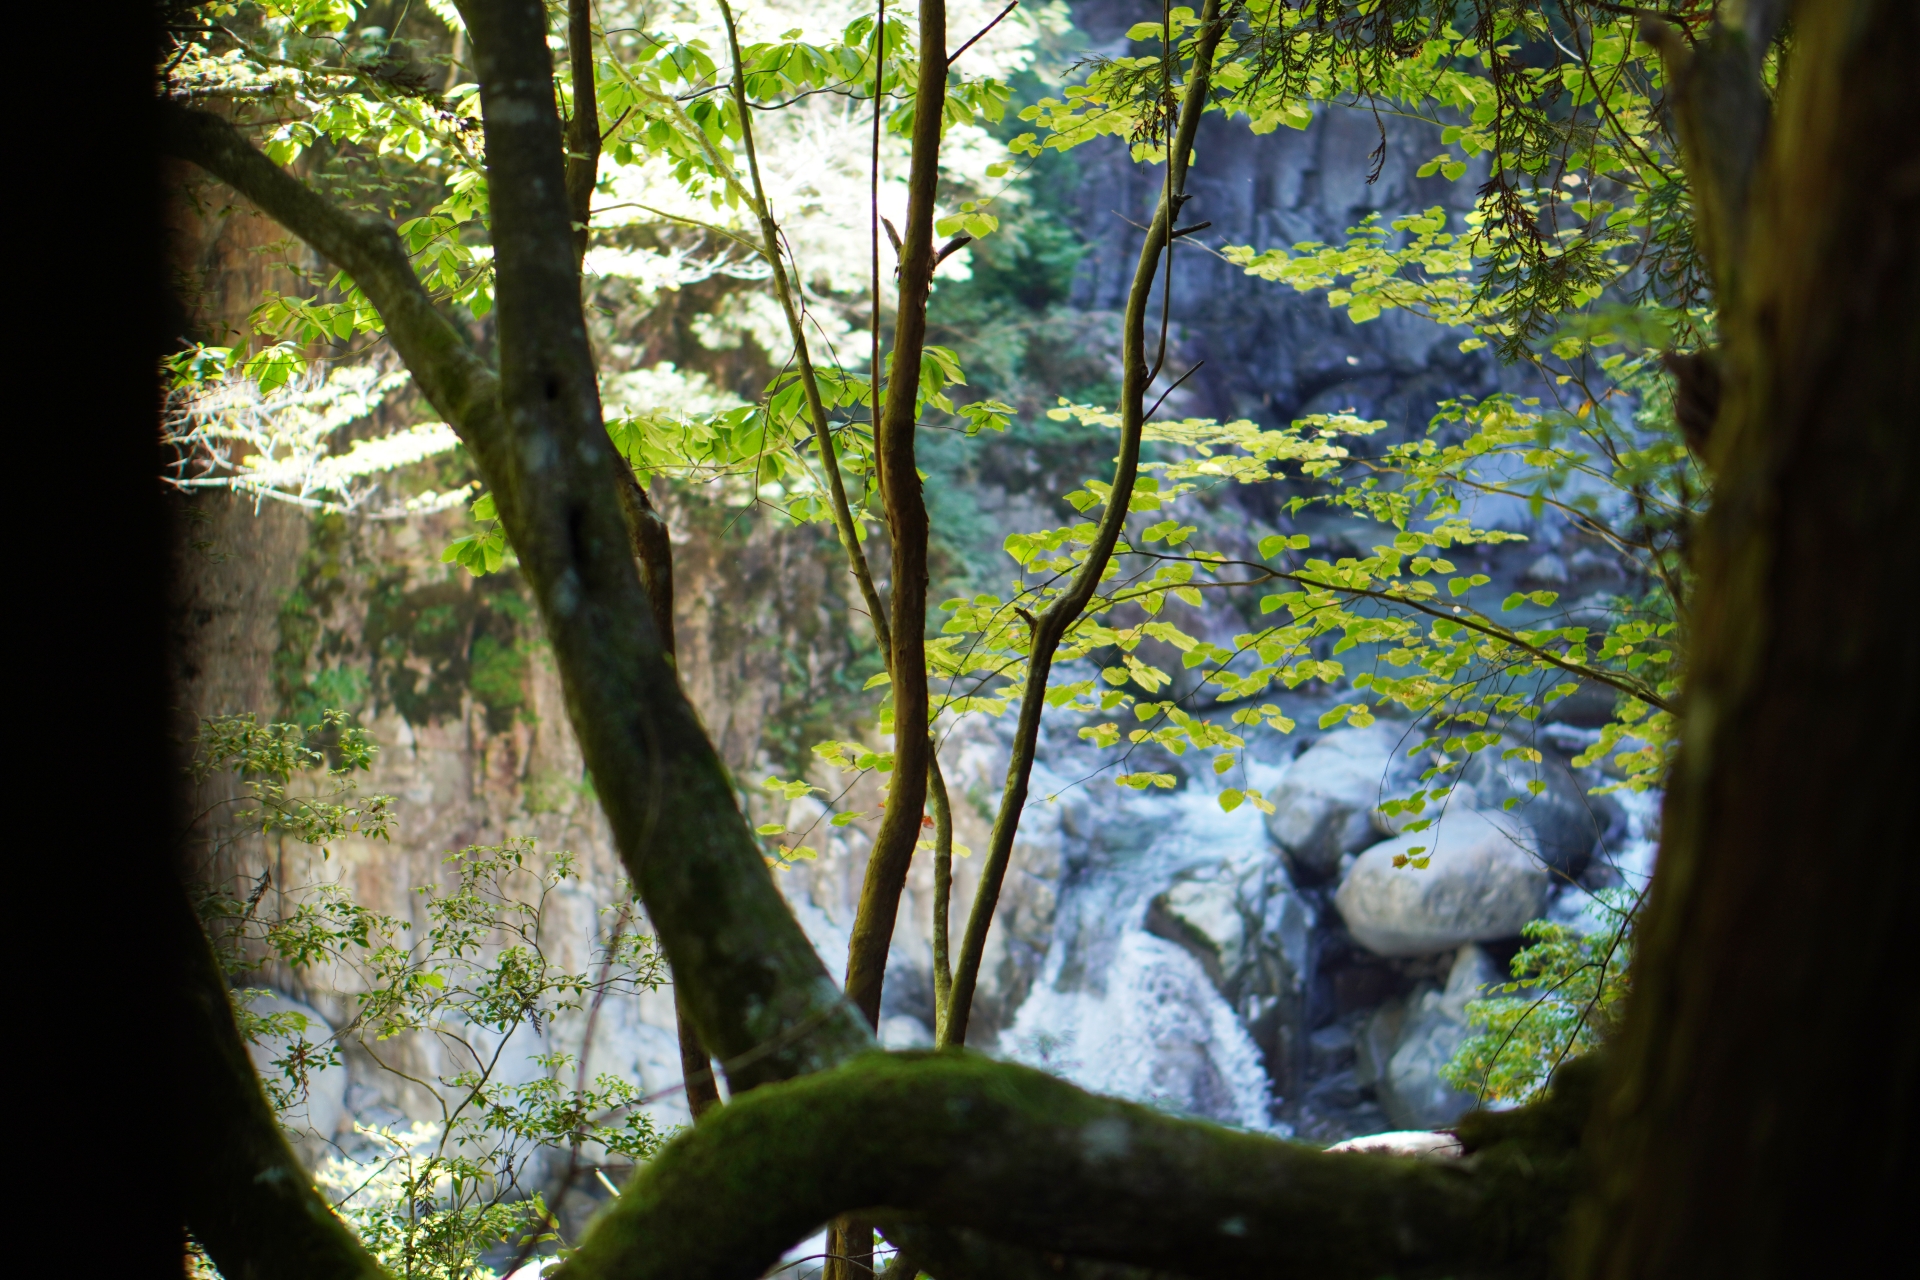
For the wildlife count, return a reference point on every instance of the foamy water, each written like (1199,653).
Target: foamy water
(1118,1010)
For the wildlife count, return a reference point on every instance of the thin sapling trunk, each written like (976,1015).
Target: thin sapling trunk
(1052,624)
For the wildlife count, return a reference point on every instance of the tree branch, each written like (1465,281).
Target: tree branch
(454,380)
(1471,620)
(960,1141)
(748,975)
(1052,624)
(757,992)
(907,523)
(942,890)
(583,128)
(653,552)
(803,358)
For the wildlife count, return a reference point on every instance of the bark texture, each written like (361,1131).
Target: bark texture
(1763,1119)
(652,547)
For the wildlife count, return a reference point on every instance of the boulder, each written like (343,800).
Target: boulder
(1411,1090)
(1567,822)
(1204,916)
(1323,806)
(1483,881)
(1378,1035)
(1249,929)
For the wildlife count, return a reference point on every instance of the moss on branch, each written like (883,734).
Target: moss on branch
(958,1140)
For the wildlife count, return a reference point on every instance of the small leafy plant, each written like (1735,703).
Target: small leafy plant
(429,1198)
(1564,1000)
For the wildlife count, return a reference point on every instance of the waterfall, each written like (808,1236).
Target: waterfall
(1118,1009)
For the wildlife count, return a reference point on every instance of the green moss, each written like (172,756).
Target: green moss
(497,674)
(317,666)
(361,633)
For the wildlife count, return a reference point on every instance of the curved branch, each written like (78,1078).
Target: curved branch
(1471,621)
(957,1140)
(750,978)
(1053,623)
(454,379)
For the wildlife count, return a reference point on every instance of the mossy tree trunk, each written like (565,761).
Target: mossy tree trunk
(1763,1118)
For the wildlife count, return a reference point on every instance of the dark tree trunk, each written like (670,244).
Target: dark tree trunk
(1762,1116)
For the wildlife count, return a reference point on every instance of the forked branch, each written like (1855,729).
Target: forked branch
(906,512)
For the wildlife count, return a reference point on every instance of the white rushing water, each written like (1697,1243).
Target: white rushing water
(1118,1010)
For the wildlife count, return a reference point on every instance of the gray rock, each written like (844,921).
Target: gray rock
(1483,881)
(1205,917)
(1548,568)
(1323,806)
(1250,930)
(1378,1035)
(1411,1090)
(1567,822)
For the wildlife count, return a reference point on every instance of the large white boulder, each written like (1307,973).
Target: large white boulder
(1483,880)
(1323,806)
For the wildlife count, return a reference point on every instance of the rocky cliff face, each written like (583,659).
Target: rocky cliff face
(1262,973)
(1271,354)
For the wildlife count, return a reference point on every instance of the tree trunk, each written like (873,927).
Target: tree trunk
(1761,1121)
